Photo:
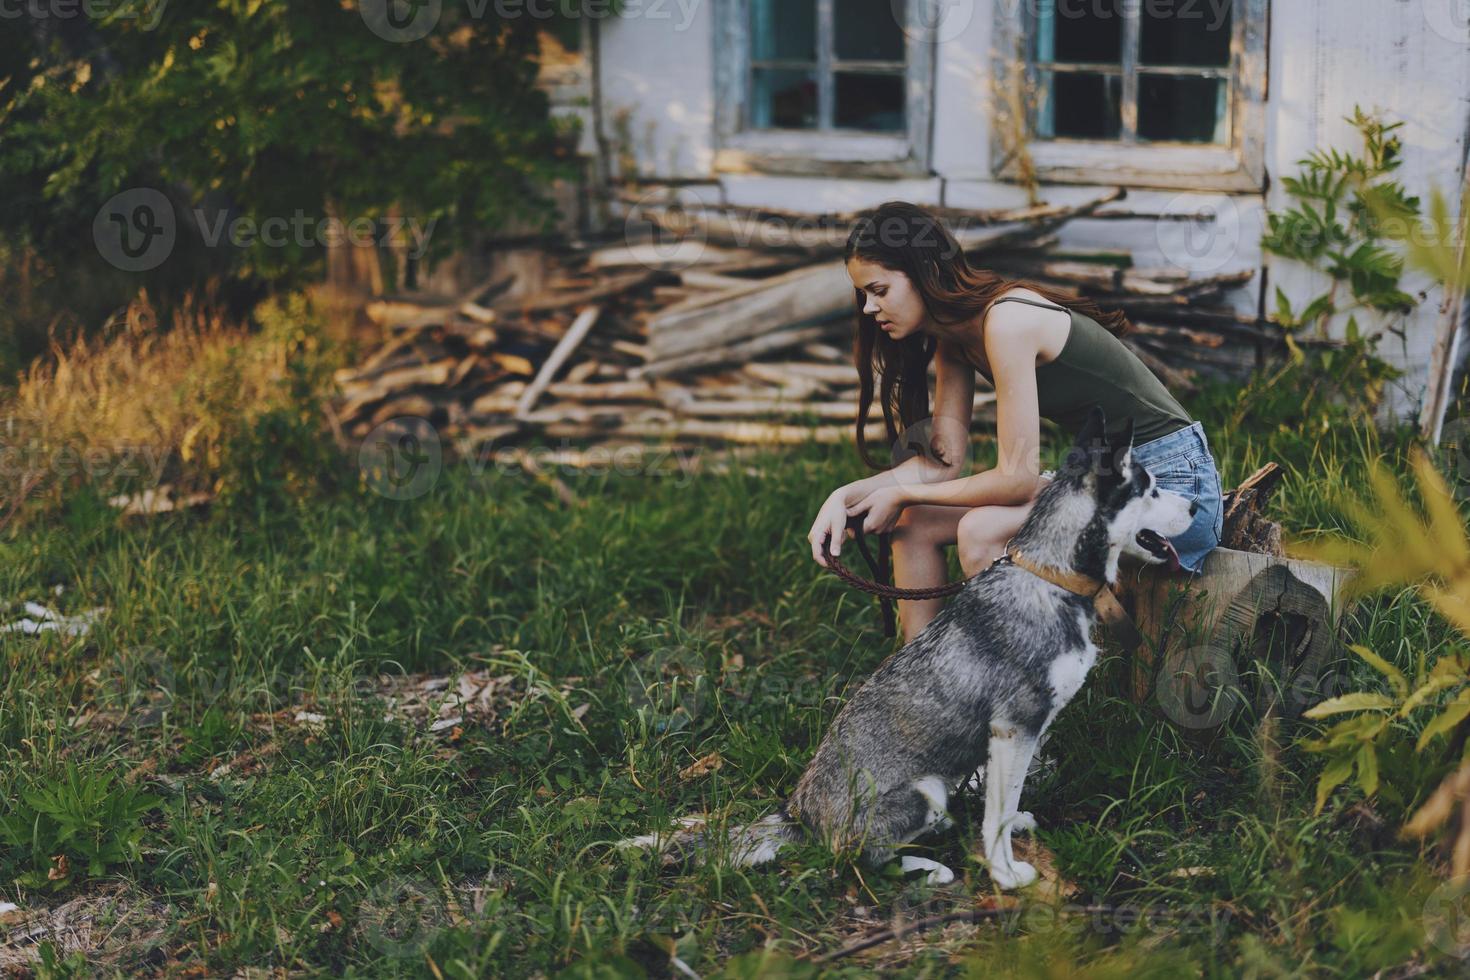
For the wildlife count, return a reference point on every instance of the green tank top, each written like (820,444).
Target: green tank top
(1095,368)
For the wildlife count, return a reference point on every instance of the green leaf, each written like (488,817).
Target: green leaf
(1368,769)
(1359,701)
(1336,773)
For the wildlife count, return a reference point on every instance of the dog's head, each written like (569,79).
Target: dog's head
(1129,511)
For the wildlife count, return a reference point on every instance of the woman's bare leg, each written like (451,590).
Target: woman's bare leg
(919,539)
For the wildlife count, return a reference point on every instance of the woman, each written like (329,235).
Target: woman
(1045,353)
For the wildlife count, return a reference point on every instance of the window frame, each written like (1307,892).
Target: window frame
(1238,166)
(818,152)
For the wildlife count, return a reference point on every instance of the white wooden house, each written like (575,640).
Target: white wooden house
(1198,107)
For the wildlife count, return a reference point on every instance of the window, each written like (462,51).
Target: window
(1152,92)
(804,84)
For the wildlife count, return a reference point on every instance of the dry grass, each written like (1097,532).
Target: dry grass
(133,392)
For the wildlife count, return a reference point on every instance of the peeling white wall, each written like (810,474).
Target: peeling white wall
(1408,60)
(658,66)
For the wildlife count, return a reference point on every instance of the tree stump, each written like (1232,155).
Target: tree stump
(1251,628)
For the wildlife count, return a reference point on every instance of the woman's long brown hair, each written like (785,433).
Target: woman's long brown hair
(907,238)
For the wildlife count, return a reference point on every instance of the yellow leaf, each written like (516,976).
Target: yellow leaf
(1396,679)
(1402,533)
(1444,517)
(1358,701)
(1444,721)
(1441,803)
(1451,605)
(702,766)
(1428,690)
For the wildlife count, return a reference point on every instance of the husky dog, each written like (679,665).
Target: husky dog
(979,685)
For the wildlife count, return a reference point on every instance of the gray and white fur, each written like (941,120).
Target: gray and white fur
(975,690)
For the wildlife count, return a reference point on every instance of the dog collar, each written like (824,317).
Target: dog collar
(1104,602)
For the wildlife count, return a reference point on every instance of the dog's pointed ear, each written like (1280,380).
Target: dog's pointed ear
(1091,444)
(1094,430)
(1122,447)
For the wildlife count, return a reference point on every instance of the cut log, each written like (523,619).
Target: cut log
(712,280)
(809,293)
(733,354)
(1249,630)
(611,287)
(400,379)
(750,433)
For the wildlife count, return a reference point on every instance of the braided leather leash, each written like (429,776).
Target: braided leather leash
(881,568)
(1112,613)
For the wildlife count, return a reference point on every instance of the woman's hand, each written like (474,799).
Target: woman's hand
(831,524)
(883,508)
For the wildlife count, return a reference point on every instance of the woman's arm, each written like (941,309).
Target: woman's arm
(1011,345)
(954,408)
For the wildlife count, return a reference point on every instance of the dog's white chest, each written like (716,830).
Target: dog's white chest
(1069,670)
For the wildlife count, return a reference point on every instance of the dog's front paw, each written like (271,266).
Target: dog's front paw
(938,873)
(1023,822)
(1016,874)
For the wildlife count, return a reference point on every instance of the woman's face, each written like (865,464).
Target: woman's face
(889,296)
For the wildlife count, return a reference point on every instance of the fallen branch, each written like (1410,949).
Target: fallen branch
(559,355)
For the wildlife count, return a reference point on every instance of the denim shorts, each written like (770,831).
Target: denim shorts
(1181,462)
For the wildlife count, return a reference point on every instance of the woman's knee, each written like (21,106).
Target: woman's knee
(926,524)
(984,531)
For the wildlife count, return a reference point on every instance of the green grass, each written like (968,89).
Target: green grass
(667,619)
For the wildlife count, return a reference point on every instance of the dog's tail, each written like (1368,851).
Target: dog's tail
(744,846)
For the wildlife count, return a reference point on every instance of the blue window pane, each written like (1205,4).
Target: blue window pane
(1080,105)
(1186,34)
(871,102)
(783,98)
(783,30)
(1189,110)
(868,30)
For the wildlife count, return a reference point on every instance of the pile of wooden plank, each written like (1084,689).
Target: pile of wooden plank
(727,326)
